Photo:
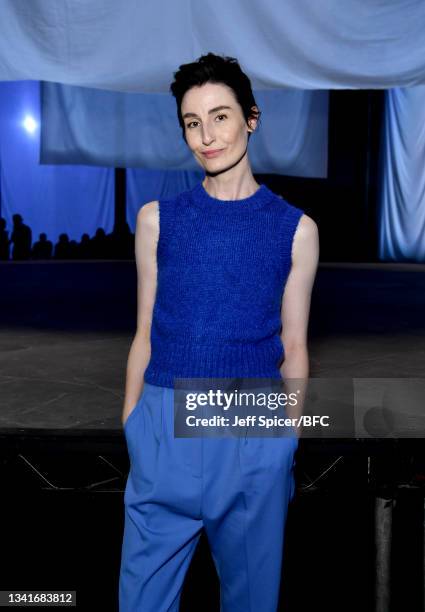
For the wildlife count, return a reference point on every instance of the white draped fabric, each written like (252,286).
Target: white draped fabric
(129,45)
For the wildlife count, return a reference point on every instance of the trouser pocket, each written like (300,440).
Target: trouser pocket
(135,409)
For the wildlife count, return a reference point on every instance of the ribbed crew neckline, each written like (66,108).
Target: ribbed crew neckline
(202,198)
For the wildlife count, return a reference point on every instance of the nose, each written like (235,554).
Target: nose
(207,135)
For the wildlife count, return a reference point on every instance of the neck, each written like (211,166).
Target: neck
(236,183)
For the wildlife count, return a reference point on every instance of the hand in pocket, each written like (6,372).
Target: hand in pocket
(127,415)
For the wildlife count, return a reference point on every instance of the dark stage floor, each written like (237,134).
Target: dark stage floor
(66,330)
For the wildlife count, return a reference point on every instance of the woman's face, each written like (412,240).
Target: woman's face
(215,127)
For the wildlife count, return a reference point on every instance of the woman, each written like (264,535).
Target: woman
(225,273)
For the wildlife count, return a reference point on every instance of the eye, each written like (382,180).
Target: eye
(225,117)
(189,125)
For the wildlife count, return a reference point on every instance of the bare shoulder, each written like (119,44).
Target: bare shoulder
(305,248)
(307,229)
(148,214)
(147,225)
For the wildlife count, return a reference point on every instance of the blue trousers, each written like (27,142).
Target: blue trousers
(237,488)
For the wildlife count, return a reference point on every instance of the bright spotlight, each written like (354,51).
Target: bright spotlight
(29,124)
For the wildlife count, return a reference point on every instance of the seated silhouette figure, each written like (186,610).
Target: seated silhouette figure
(42,249)
(21,238)
(63,249)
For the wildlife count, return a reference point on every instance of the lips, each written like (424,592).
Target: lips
(212,153)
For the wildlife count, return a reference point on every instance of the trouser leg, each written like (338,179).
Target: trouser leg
(162,509)
(245,509)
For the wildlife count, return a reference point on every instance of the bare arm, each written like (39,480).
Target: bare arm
(147,234)
(296,308)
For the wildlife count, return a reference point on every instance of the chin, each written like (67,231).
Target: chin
(215,164)
(215,168)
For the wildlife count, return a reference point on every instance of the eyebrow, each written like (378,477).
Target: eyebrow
(213,110)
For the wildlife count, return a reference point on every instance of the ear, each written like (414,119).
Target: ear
(253,118)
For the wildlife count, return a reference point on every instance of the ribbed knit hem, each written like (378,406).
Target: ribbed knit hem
(247,360)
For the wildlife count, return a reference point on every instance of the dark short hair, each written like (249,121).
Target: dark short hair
(213,68)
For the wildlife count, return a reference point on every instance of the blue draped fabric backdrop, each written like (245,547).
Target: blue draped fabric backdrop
(141,132)
(402,190)
(91,126)
(81,127)
(51,199)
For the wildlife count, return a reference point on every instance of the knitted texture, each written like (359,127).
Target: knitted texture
(222,270)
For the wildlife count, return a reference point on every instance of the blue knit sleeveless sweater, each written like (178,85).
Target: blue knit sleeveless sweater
(222,267)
